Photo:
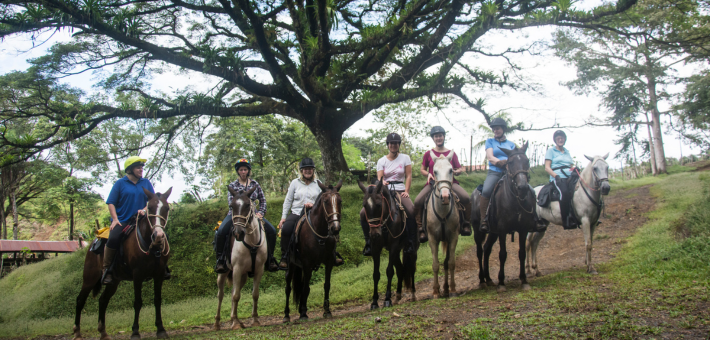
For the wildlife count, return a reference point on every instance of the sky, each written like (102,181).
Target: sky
(552,104)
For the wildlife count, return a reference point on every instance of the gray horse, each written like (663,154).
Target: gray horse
(442,223)
(586,205)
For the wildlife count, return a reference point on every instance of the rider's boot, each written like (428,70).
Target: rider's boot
(167,275)
(338,259)
(221,265)
(423,237)
(283,265)
(484,211)
(466,224)
(109,255)
(271,264)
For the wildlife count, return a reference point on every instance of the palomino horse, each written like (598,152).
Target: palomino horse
(514,203)
(442,223)
(248,256)
(141,261)
(387,231)
(317,234)
(586,205)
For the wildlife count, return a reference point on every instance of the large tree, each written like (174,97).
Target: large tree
(326,63)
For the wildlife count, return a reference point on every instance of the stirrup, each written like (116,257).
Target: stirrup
(423,237)
(338,260)
(463,231)
(107,278)
(484,227)
(221,267)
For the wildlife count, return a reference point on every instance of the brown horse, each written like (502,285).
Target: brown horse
(381,212)
(141,261)
(514,205)
(317,234)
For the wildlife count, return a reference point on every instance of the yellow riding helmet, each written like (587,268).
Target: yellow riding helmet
(132,160)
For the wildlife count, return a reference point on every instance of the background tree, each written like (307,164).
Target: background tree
(323,63)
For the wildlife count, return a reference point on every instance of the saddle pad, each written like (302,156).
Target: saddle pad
(547,194)
(103,232)
(97,246)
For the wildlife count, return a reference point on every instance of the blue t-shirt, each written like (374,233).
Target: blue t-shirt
(559,158)
(128,197)
(492,143)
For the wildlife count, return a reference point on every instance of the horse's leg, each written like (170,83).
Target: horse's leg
(221,278)
(390,274)
(522,238)
(502,256)
(434,245)
(487,249)
(239,280)
(287,310)
(80,302)
(533,242)
(452,262)
(103,304)
(479,237)
(588,240)
(303,305)
(376,253)
(158,302)
(326,292)
(137,304)
(399,269)
(255,296)
(445,249)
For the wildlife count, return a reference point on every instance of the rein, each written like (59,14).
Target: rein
(512,180)
(383,222)
(139,237)
(597,182)
(327,218)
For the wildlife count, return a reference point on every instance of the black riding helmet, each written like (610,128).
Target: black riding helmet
(242,162)
(559,133)
(499,122)
(393,138)
(306,163)
(437,129)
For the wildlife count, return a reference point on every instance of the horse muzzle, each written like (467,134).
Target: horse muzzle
(158,238)
(334,228)
(445,196)
(605,188)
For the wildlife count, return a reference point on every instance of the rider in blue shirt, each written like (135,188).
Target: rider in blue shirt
(496,162)
(559,164)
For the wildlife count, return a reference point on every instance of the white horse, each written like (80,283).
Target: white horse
(442,223)
(586,205)
(253,239)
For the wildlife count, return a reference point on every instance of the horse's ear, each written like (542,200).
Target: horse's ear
(591,159)
(322,186)
(450,156)
(250,191)
(149,194)
(362,186)
(231,191)
(378,188)
(524,148)
(166,194)
(605,156)
(340,184)
(506,151)
(433,157)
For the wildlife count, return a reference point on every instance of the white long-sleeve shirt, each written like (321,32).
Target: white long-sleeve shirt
(298,195)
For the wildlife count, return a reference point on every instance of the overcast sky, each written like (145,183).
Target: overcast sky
(554,103)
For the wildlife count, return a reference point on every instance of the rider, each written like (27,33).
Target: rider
(557,159)
(497,160)
(394,169)
(438,134)
(302,193)
(243,183)
(125,200)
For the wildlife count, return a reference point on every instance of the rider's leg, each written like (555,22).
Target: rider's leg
(367,251)
(286,232)
(488,185)
(410,223)
(221,244)
(465,201)
(565,203)
(270,232)
(114,241)
(419,209)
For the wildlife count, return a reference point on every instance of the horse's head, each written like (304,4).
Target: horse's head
(600,172)
(374,205)
(518,167)
(444,174)
(331,204)
(242,212)
(157,216)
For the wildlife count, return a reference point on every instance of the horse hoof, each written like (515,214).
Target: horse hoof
(255,324)
(327,315)
(238,325)
(374,306)
(161,335)
(105,337)
(593,272)
(490,283)
(217,326)
(388,303)
(538,274)
(501,289)
(135,337)
(526,287)
(286,320)
(303,318)
(77,337)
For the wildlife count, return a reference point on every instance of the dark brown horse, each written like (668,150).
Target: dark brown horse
(142,261)
(381,212)
(513,212)
(317,235)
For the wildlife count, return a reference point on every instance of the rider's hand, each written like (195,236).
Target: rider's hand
(308,205)
(502,163)
(430,177)
(259,215)
(114,223)
(405,194)
(385,183)
(281,223)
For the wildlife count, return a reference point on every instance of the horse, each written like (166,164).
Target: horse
(514,202)
(316,235)
(586,205)
(140,262)
(382,213)
(248,256)
(442,223)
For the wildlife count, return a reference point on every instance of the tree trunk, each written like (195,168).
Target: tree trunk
(71,221)
(654,167)
(15,220)
(331,150)
(655,118)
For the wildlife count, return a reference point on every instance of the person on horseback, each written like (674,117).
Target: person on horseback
(557,160)
(496,164)
(438,134)
(125,200)
(221,246)
(302,193)
(395,170)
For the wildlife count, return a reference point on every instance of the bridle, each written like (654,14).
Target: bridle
(512,183)
(597,180)
(382,220)
(152,227)
(330,218)
(438,188)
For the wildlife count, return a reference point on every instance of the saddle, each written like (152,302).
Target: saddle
(549,192)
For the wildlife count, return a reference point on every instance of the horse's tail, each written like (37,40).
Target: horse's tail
(297,284)
(96,289)
(409,261)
